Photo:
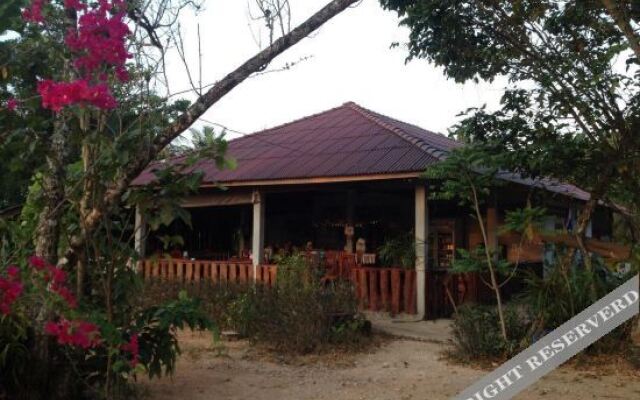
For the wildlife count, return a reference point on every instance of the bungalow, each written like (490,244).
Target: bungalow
(340,184)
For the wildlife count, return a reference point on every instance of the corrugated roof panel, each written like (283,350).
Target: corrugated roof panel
(344,141)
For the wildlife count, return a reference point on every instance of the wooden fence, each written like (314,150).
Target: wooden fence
(385,289)
(223,272)
(377,289)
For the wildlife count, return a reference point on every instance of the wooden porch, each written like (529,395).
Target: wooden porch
(390,290)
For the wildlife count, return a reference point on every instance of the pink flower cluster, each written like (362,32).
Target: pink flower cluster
(11,105)
(100,39)
(56,278)
(34,12)
(133,348)
(99,45)
(77,5)
(57,95)
(76,333)
(10,289)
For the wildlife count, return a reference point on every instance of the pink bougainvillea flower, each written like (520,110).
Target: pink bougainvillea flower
(57,95)
(66,294)
(58,276)
(100,40)
(12,104)
(37,262)
(133,348)
(33,13)
(75,333)
(13,272)
(77,5)
(10,289)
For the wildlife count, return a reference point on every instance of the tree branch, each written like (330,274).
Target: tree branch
(256,63)
(623,24)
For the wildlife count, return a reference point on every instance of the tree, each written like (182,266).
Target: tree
(469,175)
(143,140)
(81,81)
(571,109)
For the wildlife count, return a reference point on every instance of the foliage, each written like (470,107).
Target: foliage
(475,260)
(157,329)
(469,174)
(302,318)
(564,291)
(573,85)
(476,334)
(14,354)
(290,318)
(96,350)
(399,251)
(84,107)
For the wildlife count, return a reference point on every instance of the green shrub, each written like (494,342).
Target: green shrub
(564,292)
(14,354)
(399,251)
(477,334)
(299,318)
(297,315)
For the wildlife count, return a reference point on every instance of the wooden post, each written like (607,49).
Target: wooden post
(351,204)
(257,246)
(140,234)
(421,238)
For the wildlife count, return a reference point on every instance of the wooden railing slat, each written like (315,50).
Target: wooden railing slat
(378,289)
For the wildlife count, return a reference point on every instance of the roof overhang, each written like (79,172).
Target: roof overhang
(316,180)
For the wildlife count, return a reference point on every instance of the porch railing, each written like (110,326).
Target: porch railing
(385,289)
(377,289)
(223,272)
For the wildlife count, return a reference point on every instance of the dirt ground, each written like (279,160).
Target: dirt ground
(396,370)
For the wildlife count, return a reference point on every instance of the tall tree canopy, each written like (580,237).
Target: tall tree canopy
(571,108)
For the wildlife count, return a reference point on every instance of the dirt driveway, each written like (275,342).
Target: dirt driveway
(397,370)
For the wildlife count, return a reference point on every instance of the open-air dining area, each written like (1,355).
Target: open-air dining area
(346,188)
(338,230)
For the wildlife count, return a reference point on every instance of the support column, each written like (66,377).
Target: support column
(140,234)
(257,242)
(421,239)
(349,228)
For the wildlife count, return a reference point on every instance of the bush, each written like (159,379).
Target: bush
(477,335)
(564,292)
(303,319)
(52,347)
(298,315)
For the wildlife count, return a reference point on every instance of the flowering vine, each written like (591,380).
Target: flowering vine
(12,105)
(10,289)
(33,13)
(75,333)
(98,44)
(132,348)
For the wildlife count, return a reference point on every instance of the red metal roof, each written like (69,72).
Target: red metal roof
(345,141)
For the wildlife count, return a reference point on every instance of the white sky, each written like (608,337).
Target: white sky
(351,61)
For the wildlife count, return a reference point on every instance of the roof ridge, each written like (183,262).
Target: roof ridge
(369,114)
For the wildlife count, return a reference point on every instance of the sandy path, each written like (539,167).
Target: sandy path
(399,370)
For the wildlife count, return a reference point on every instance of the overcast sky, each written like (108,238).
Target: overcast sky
(351,60)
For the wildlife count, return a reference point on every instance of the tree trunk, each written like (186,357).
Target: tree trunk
(490,259)
(582,224)
(623,23)
(47,233)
